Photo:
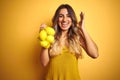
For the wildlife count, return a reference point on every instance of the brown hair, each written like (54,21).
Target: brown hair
(73,36)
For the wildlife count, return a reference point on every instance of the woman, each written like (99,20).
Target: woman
(62,57)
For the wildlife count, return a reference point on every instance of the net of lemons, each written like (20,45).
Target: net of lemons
(46,36)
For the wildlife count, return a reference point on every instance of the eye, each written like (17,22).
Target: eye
(68,15)
(60,15)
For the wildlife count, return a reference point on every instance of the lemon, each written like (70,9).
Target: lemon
(50,38)
(50,30)
(46,36)
(45,44)
(43,35)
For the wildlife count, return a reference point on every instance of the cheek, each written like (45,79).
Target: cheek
(59,20)
(70,20)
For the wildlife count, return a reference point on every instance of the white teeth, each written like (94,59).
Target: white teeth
(64,23)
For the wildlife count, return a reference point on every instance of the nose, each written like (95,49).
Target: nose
(65,18)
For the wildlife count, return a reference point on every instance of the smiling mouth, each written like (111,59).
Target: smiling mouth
(64,24)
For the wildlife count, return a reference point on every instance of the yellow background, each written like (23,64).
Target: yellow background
(20,50)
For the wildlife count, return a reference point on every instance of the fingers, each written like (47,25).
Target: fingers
(82,15)
(42,26)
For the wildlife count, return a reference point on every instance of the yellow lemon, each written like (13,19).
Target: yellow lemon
(43,35)
(45,44)
(50,30)
(50,38)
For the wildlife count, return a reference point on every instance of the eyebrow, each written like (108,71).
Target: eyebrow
(63,14)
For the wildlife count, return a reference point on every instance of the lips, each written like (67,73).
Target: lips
(64,25)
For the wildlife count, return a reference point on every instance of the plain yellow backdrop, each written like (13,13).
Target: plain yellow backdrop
(20,49)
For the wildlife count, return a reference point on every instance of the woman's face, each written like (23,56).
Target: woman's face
(64,20)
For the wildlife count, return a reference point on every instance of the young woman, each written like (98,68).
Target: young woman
(62,57)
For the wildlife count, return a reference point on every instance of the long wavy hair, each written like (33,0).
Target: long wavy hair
(73,36)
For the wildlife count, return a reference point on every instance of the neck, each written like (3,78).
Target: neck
(64,34)
(63,39)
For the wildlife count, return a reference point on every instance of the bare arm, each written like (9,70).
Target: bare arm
(87,43)
(44,56)
(44,53)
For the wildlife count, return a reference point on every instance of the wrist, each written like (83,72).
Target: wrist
(43,48)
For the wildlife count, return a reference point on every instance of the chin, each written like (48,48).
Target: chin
(64,29)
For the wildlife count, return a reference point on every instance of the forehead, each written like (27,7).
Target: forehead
(63,11)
